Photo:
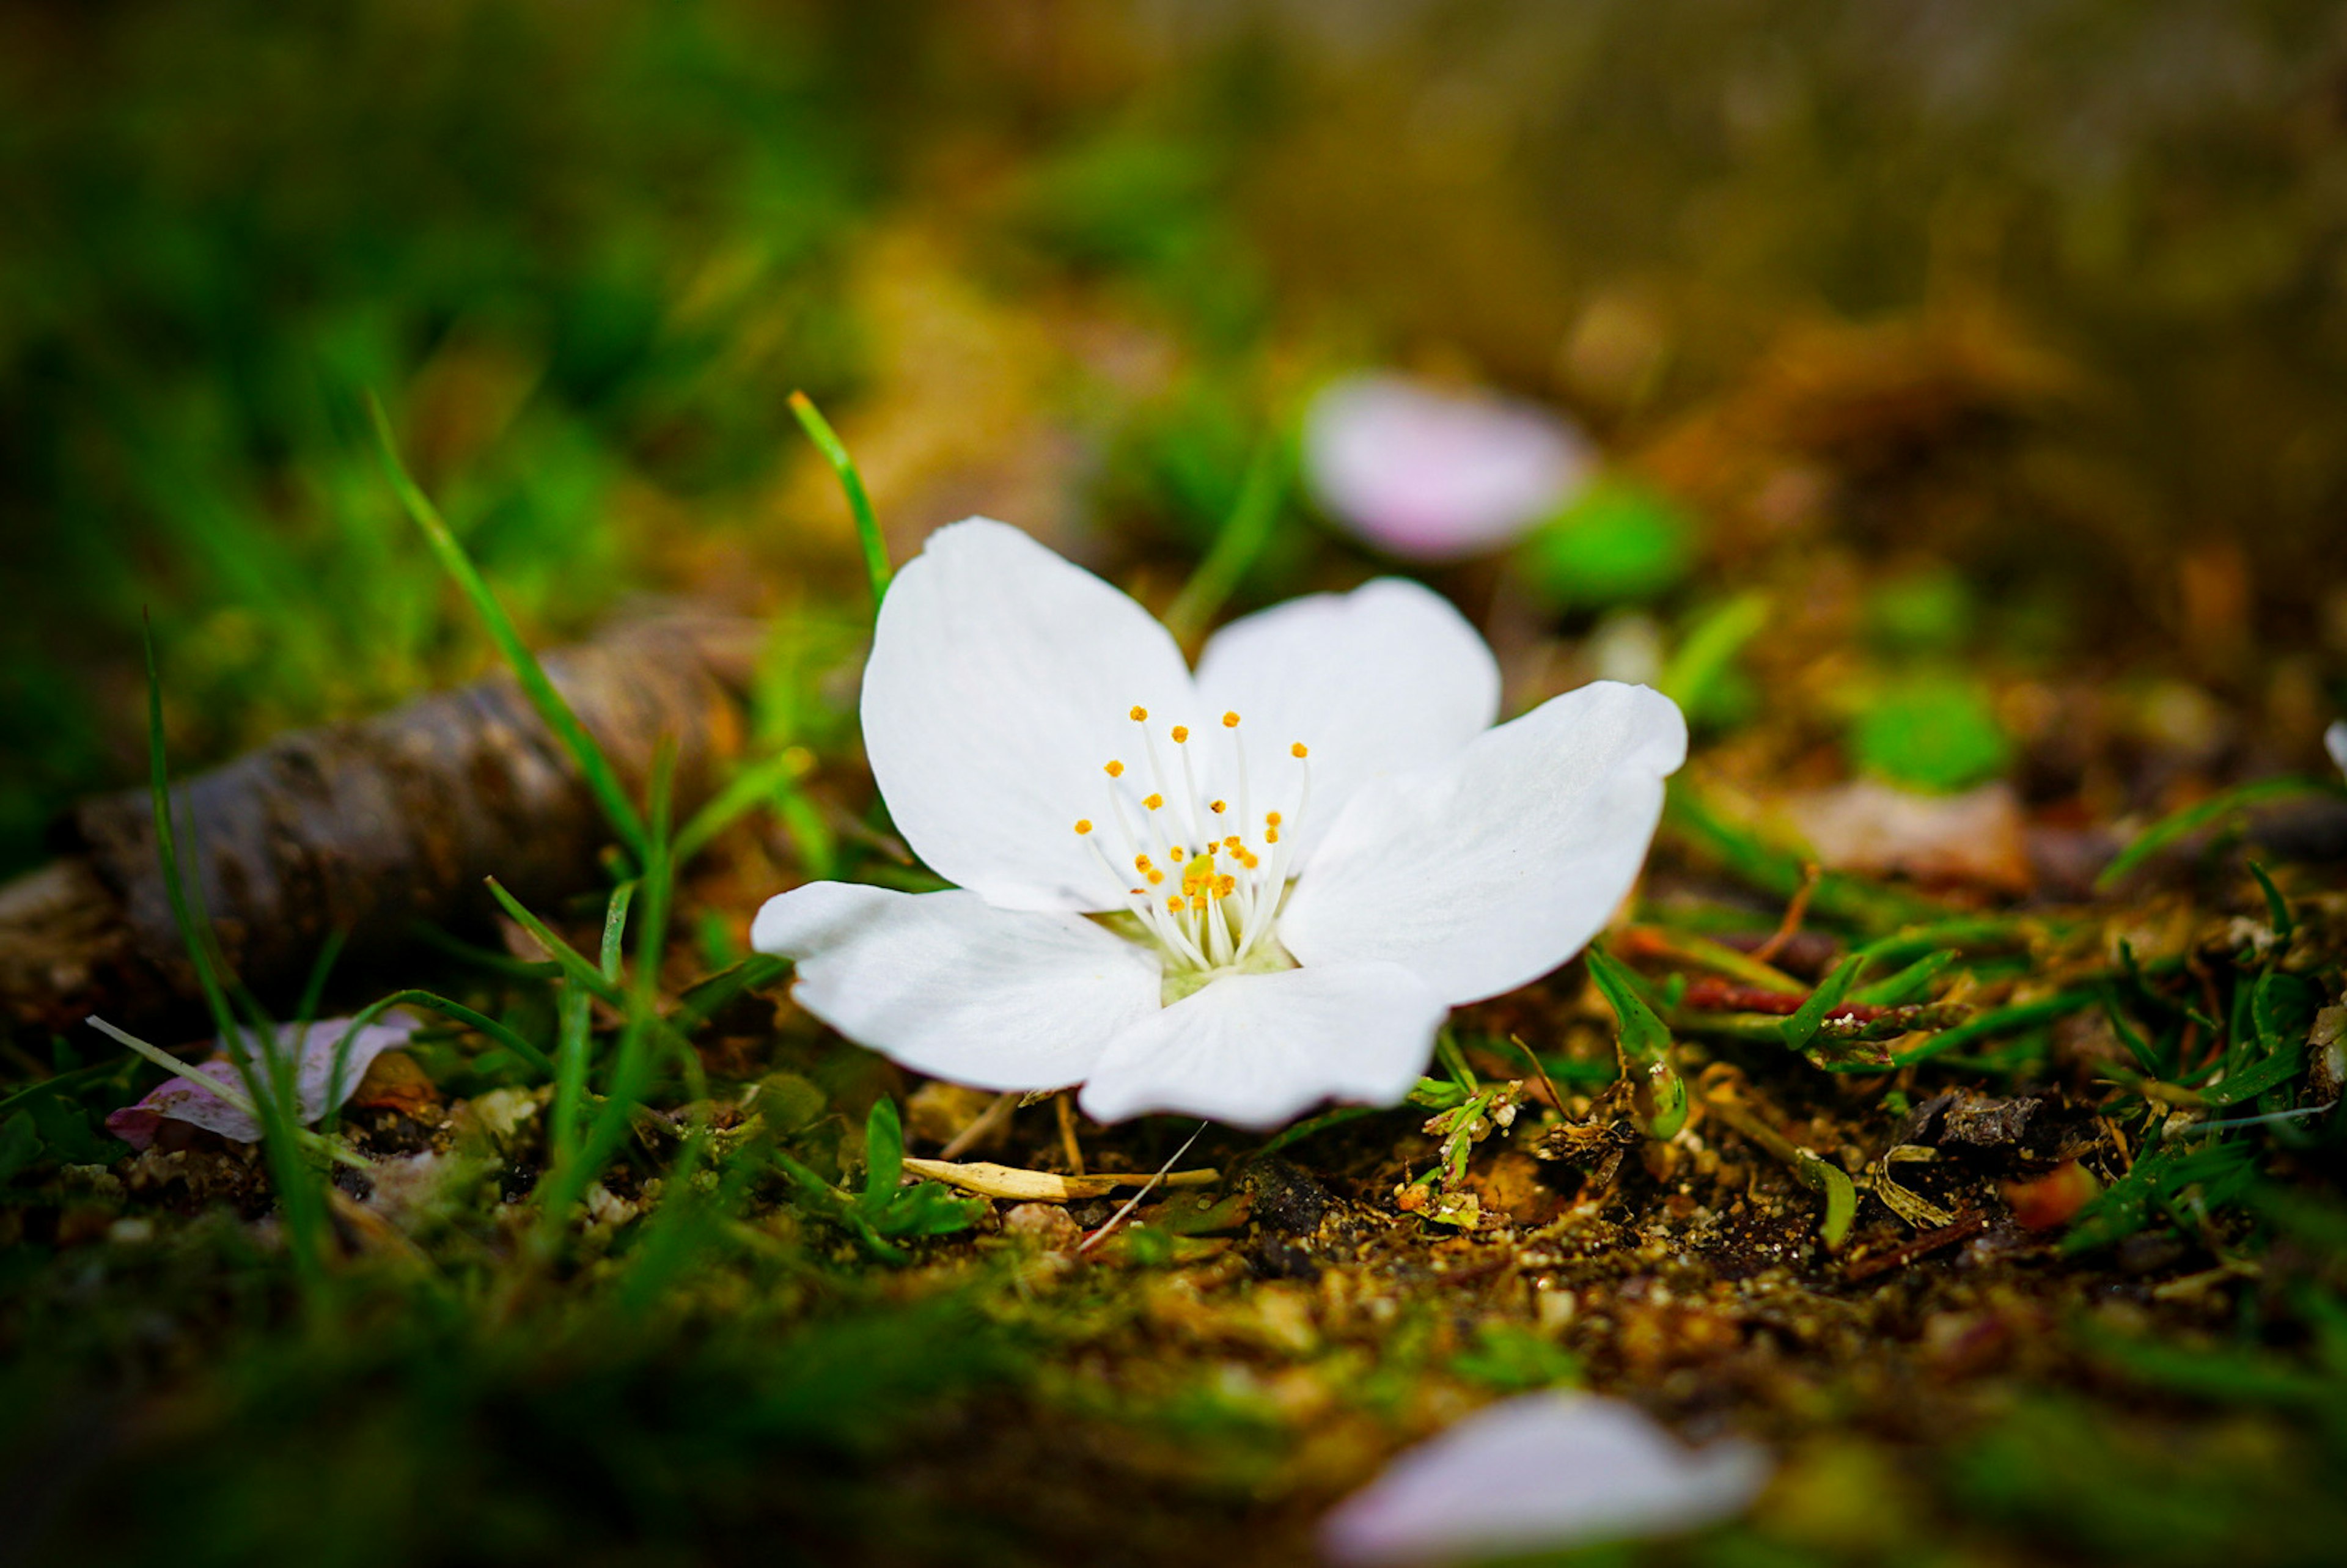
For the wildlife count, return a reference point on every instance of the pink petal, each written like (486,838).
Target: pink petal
(1431,475)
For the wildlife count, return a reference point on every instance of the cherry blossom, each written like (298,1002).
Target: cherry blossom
(1231,893)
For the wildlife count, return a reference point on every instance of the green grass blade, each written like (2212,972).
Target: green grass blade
(2192,819)
(753,786)
(297,1189)
(1688,679)
(602,781)
(859,503)
(1644,1045)
(1236,544)
(1802,1028)
(576,968)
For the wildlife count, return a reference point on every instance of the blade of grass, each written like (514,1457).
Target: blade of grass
(2192,819)
(1237,542)
(575,965)
(566,1183)
(1644,1043)
(753,786)
(1800,1029)
(298,1196)
(1907,983)
(1692,672)
(602,782)
(859,503)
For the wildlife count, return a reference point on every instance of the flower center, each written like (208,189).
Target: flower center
(1206,880)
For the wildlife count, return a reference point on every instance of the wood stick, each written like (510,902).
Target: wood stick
(367,828)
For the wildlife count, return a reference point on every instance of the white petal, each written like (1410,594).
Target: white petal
(2335,740)
(946,984)
(1434,476)
(1254,1051)
(1487,873)
(1385,679)
(1539,1473)
(998,685)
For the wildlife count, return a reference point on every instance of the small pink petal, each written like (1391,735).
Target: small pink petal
(1431,475)
(1540,1472)
(188,1099)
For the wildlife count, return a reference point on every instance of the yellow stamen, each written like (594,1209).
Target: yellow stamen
(1139,713)
(1116,770)
(1299,749)
(1271,819)
(1217,807)
(1230,721)
(1181,733)
(1152,801)
(1271,836)
(1178,852)
(1083,825)
(1155,877)
(1173,903)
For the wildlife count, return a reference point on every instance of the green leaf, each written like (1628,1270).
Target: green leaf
(1644,1045)
(1932,731)
(1799,1029)
(884,1152)
(1830,1181)
(20,1146)
(1616,542)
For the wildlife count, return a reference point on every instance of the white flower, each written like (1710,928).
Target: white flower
(1431,475)
(190,1098)
(1232,894)
(1542,1472)
(2335,740)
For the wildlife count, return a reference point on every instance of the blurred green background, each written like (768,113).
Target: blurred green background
(2036,312)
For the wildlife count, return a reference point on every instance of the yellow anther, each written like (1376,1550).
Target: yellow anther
(1230,721)
(1181,733)
(1249,859)
(1178,852)
(1217,806)
(1152,801)
(1140,863)
(1173,903)
(1271,819)
(1155,876)
(1139,713)
(1226,886)
(1116,770)
(1271,836)
(1232,843)
(1299,749)
(1198,900)
(1083,825)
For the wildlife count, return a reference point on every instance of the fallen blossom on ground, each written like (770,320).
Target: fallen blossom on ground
(191,1099)
(1432,475)
(1232,894)
(1540,1472)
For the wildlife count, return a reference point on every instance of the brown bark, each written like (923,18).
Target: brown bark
(366,827)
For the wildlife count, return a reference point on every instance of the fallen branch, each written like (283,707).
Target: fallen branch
(367,829)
